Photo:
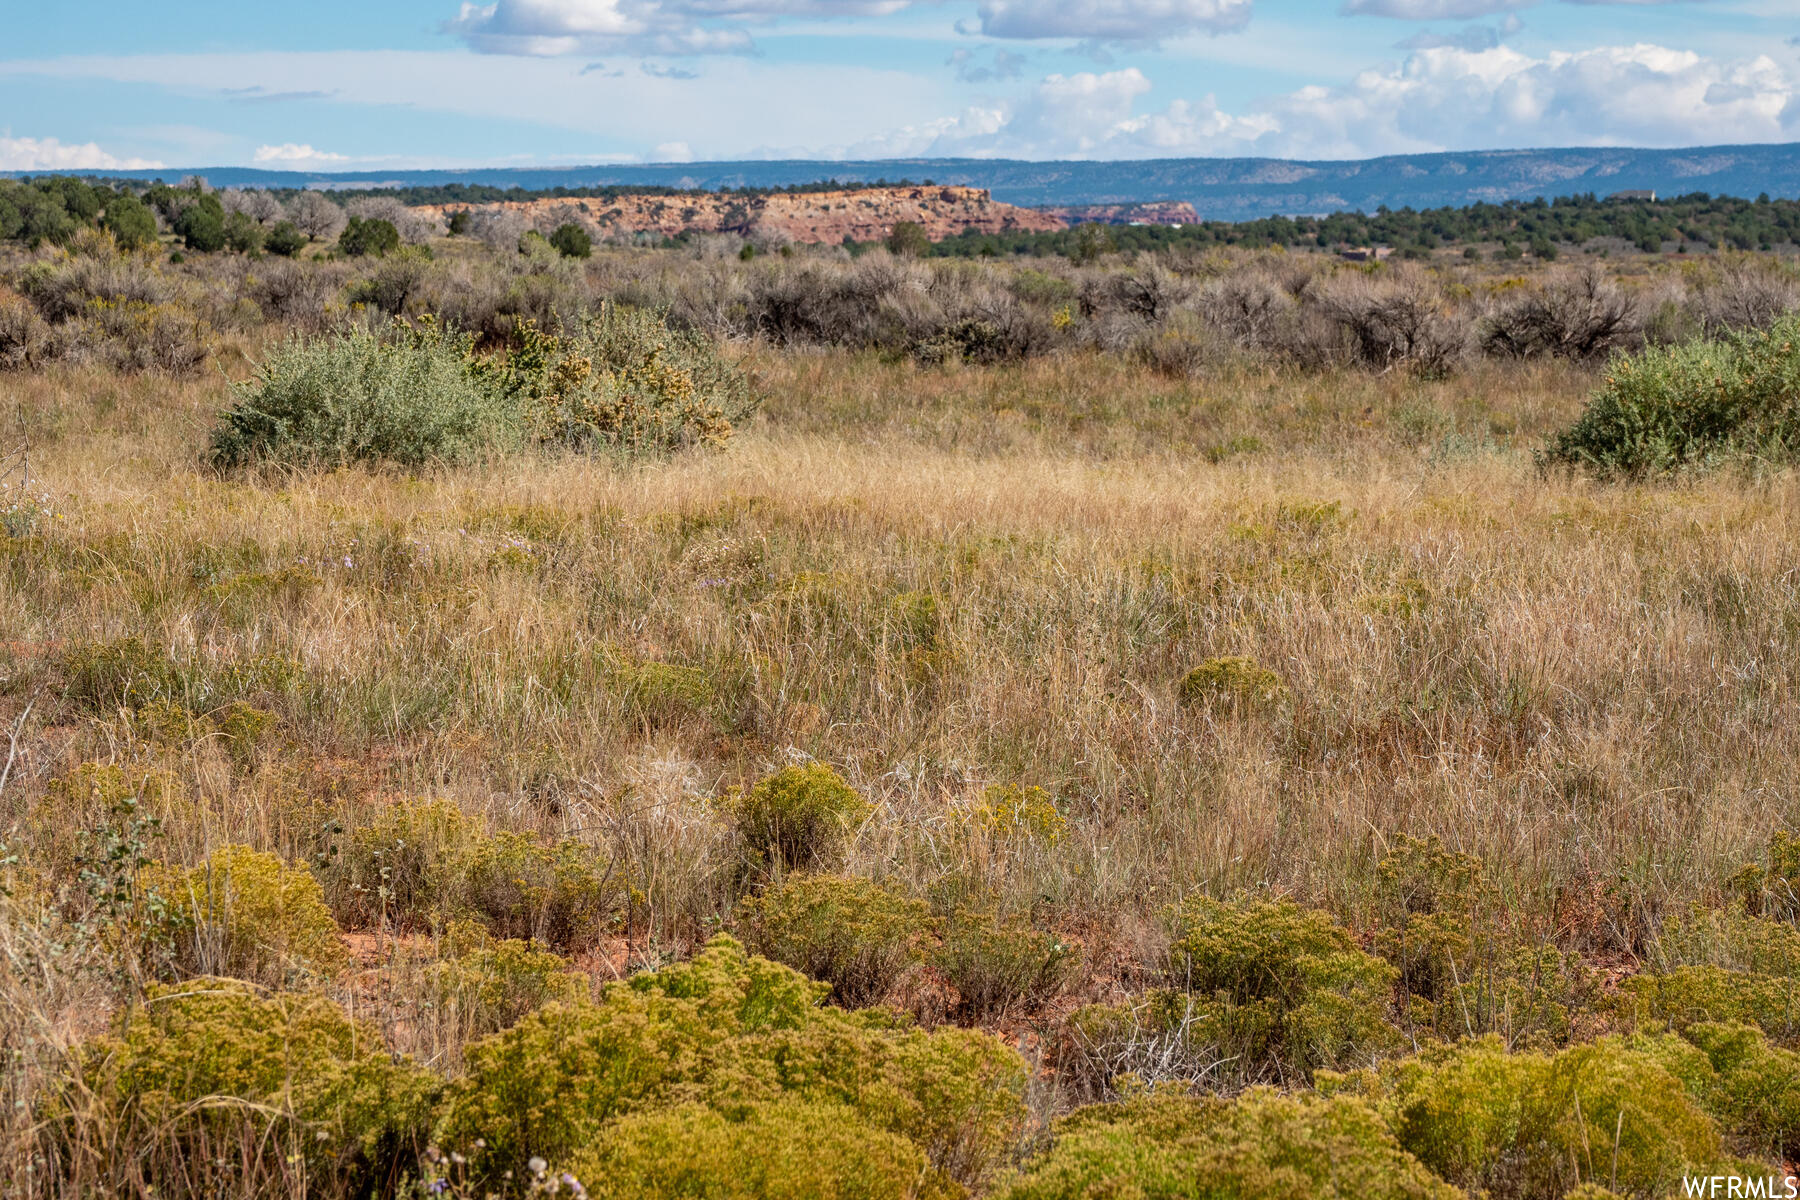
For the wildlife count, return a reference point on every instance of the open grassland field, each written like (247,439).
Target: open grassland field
(684,725)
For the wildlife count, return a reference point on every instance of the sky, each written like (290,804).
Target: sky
(354,85)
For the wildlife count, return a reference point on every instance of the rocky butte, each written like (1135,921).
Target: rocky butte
(861,214)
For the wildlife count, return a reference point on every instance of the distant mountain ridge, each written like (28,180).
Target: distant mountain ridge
(1229,189)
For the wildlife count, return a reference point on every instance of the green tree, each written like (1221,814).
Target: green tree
(572,241)
(285,239)
(202,225)
(375,237)
(909,239)
(1091,241)
(130,221)
(242,233)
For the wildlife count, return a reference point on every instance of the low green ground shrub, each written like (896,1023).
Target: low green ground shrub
(1692,405)
(852,933)
(1278,989)
(1772,888)
(1263,1145)
(402,865)
(1533,1125)
(247,914)
(1754,1088)
(487,984)
(1235,683)
(1722,965)
(664,693)
(731,1031)
(786,1150)
(560,893)
(354,397)
(211,1087)
(999,965)
(1445,930)
(421,864)
(796,818)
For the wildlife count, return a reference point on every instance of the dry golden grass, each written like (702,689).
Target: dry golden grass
(1589,687)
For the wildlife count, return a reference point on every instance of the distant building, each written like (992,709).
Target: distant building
(1634,197)
(1365,253)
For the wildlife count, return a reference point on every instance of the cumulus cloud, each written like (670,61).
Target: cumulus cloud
(48,154)
(1111,20)
(296,154)
(1440,98)
(553,27)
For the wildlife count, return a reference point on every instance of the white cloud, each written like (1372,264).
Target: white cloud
(1112,20)
(553,27)
(1441,98)
(296,154)
(48,154)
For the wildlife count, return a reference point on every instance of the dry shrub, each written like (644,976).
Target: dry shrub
(297,294)
(64,289)
(23,334)
(1250,307)
(1745,292)
(1397,318)
(1579,315)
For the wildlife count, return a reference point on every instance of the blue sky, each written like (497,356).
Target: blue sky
(337,84)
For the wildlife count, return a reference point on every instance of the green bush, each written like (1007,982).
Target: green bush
(201,225)
(130,221)
(285,239)
(1772,889)
(1263,1145)
(731,1031)
(403,866)
(795,818)
(561,893)
(246,913)
(786,1150)
(1278,989)
(851,933)
(372,237)
(487,985)
(1692,405)
(1444,929)
(353,397)
(210,1087)
(621,378)
(1534,1125)
(1754,1088)
(1692,995)
(1237,683)
(421,864)
(1711,965)
(572,241)
(997,965)
(242,233)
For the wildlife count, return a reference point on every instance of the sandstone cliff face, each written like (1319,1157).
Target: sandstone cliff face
(1149,212)
(862,214)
